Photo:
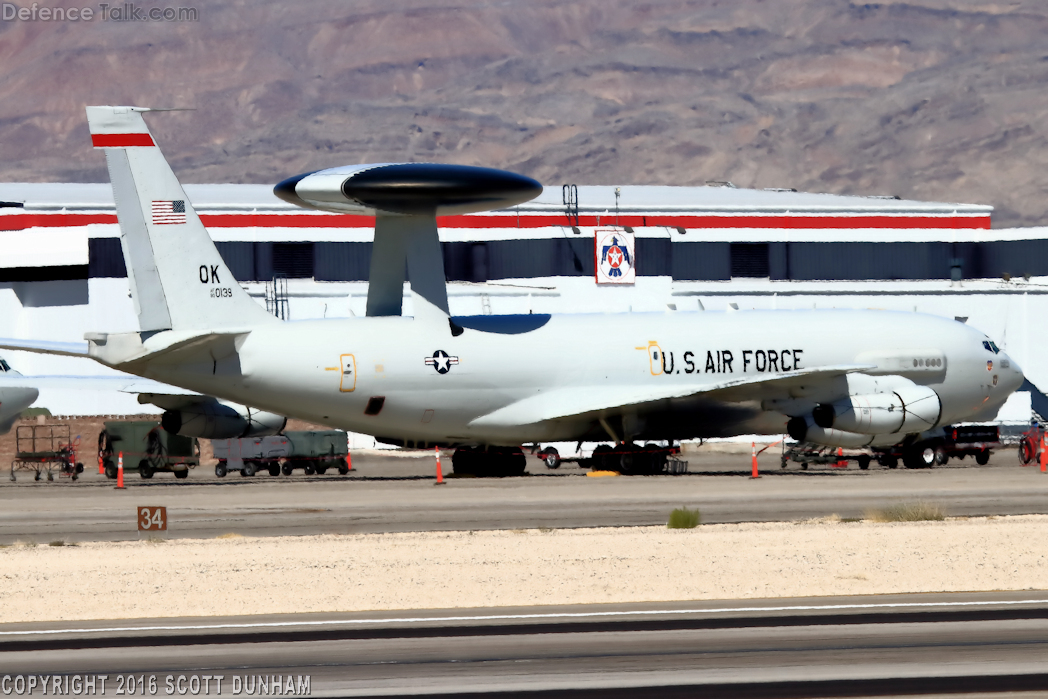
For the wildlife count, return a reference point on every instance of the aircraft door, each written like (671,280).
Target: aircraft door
(348,365)
(655,358)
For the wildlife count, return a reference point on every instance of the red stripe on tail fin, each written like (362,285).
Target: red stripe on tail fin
(121,140)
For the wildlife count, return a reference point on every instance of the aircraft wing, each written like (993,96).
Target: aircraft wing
(571,402)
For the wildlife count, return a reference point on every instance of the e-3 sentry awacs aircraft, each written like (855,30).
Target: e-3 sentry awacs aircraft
(491,383)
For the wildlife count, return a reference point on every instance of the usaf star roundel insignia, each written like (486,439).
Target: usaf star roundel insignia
(441,361)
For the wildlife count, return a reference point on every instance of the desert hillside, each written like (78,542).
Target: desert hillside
(927,99)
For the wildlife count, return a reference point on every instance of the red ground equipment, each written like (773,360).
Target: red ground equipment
(45,449)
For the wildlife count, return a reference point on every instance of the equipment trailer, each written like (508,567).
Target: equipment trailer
(312,451)
(43,448)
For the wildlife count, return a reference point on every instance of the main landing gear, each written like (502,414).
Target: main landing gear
(490,462)
(630,459)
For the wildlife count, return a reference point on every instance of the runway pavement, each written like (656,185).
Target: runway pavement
(389,494)
(982,644)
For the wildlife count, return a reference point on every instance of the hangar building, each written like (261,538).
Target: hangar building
(694,249)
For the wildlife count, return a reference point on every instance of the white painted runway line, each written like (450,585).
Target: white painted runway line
(520,617)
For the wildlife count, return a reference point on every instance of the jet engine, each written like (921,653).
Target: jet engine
(218,420)
(905,410)
(804,429)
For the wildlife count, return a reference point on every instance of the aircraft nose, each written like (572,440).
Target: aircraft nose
(1012,377)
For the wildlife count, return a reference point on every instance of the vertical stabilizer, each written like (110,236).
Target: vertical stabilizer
(178,280)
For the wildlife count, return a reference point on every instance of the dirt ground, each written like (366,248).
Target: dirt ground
(242,575)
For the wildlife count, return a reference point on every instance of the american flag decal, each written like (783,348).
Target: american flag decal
(168,212)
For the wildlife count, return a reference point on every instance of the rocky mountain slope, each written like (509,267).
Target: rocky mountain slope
(926,99)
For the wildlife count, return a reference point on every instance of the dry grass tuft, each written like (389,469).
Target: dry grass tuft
(828,519)
(919,511)
(684,518)
(230,535)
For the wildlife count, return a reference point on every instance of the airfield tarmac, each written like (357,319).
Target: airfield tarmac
(230,556)
(388,493)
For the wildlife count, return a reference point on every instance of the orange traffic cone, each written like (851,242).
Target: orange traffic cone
(753,449)
(120,472)
(100,469)
(440,476)
(1044,454)
(841,462)
(349,461)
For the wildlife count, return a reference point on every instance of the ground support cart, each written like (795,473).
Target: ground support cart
(1030,445)
(804,454)
(45,449)
(147,447)
(313,451)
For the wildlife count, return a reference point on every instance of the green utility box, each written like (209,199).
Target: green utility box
(147,447)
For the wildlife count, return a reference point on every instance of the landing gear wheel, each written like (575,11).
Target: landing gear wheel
(274,469)
(626,460)
(602,457)
(286,469)
(220,469)
(321,470)
(343,470)
(863,461)
(309,469)
(184,473)
(109,469)
(658,458)
(782,463)
(551,457)
(804,465)
(464,461)
(144,469)
(889,461)
(248,470)
(919,456)
(983,457)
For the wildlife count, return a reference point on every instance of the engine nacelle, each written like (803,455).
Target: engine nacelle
(903,411)
(804,429)
(215,420)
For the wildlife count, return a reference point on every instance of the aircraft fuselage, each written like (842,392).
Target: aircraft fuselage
(404,380)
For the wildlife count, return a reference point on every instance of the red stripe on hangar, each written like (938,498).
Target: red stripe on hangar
(21,221)
(121,140)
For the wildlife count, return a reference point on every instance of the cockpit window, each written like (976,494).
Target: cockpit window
(4,366)
(991,347)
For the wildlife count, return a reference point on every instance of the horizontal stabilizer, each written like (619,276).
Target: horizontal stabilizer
(69,349)
(124,383)
(571,402)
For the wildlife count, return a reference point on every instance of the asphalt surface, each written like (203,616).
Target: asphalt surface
(390,494)
(985,644)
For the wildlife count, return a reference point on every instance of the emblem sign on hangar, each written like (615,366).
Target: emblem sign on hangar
(614,251)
